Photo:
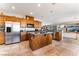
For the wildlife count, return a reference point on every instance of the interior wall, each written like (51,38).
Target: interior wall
(67,20)
(17,15)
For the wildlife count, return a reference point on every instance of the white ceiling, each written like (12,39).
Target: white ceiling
(48,13)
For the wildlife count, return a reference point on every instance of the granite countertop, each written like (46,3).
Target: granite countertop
(41,33)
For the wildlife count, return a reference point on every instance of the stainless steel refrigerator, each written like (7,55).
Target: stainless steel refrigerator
(12,32)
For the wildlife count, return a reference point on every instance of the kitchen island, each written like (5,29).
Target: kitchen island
(39,40)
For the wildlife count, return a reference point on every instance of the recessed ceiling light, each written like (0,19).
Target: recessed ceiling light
(53,3)
(13,7)
(31,13)
(39,5)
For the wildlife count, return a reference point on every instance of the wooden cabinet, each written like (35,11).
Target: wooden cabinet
(43,40)
(35,42)
(25,36)
(1,29)
(40,40)
(30,20)
(1,20)
(37,24)
(2,38)
(9,18)
(49,38)
(16,19)
(58,36)
(23,23)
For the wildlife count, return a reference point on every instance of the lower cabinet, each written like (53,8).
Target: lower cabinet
(2,41)
(25,36)
(58,36)
(49,38)
(40,40)
(35,42)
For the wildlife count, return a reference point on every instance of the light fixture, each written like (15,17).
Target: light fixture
(39,5)
(53,3)
(13,7)
(31,13)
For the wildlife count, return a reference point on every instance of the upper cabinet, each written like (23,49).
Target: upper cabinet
(23,21)
(1,20)
(4,18)
(16,19)
(37,24)
(1,23)
(29,19)
(9,18)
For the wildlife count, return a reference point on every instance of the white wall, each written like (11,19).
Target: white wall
(67,19)
(17,15)
(69,35)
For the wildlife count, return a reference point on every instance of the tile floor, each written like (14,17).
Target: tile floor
(67,47)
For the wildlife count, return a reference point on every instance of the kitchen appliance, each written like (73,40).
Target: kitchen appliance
(12,32)
(30,25)
(8,29)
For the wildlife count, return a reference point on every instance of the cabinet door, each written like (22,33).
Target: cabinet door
(1,29)
(49,38)
(1,21)
(58,36)
(23,36)
(43,40)
(1,37)
(35,43)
